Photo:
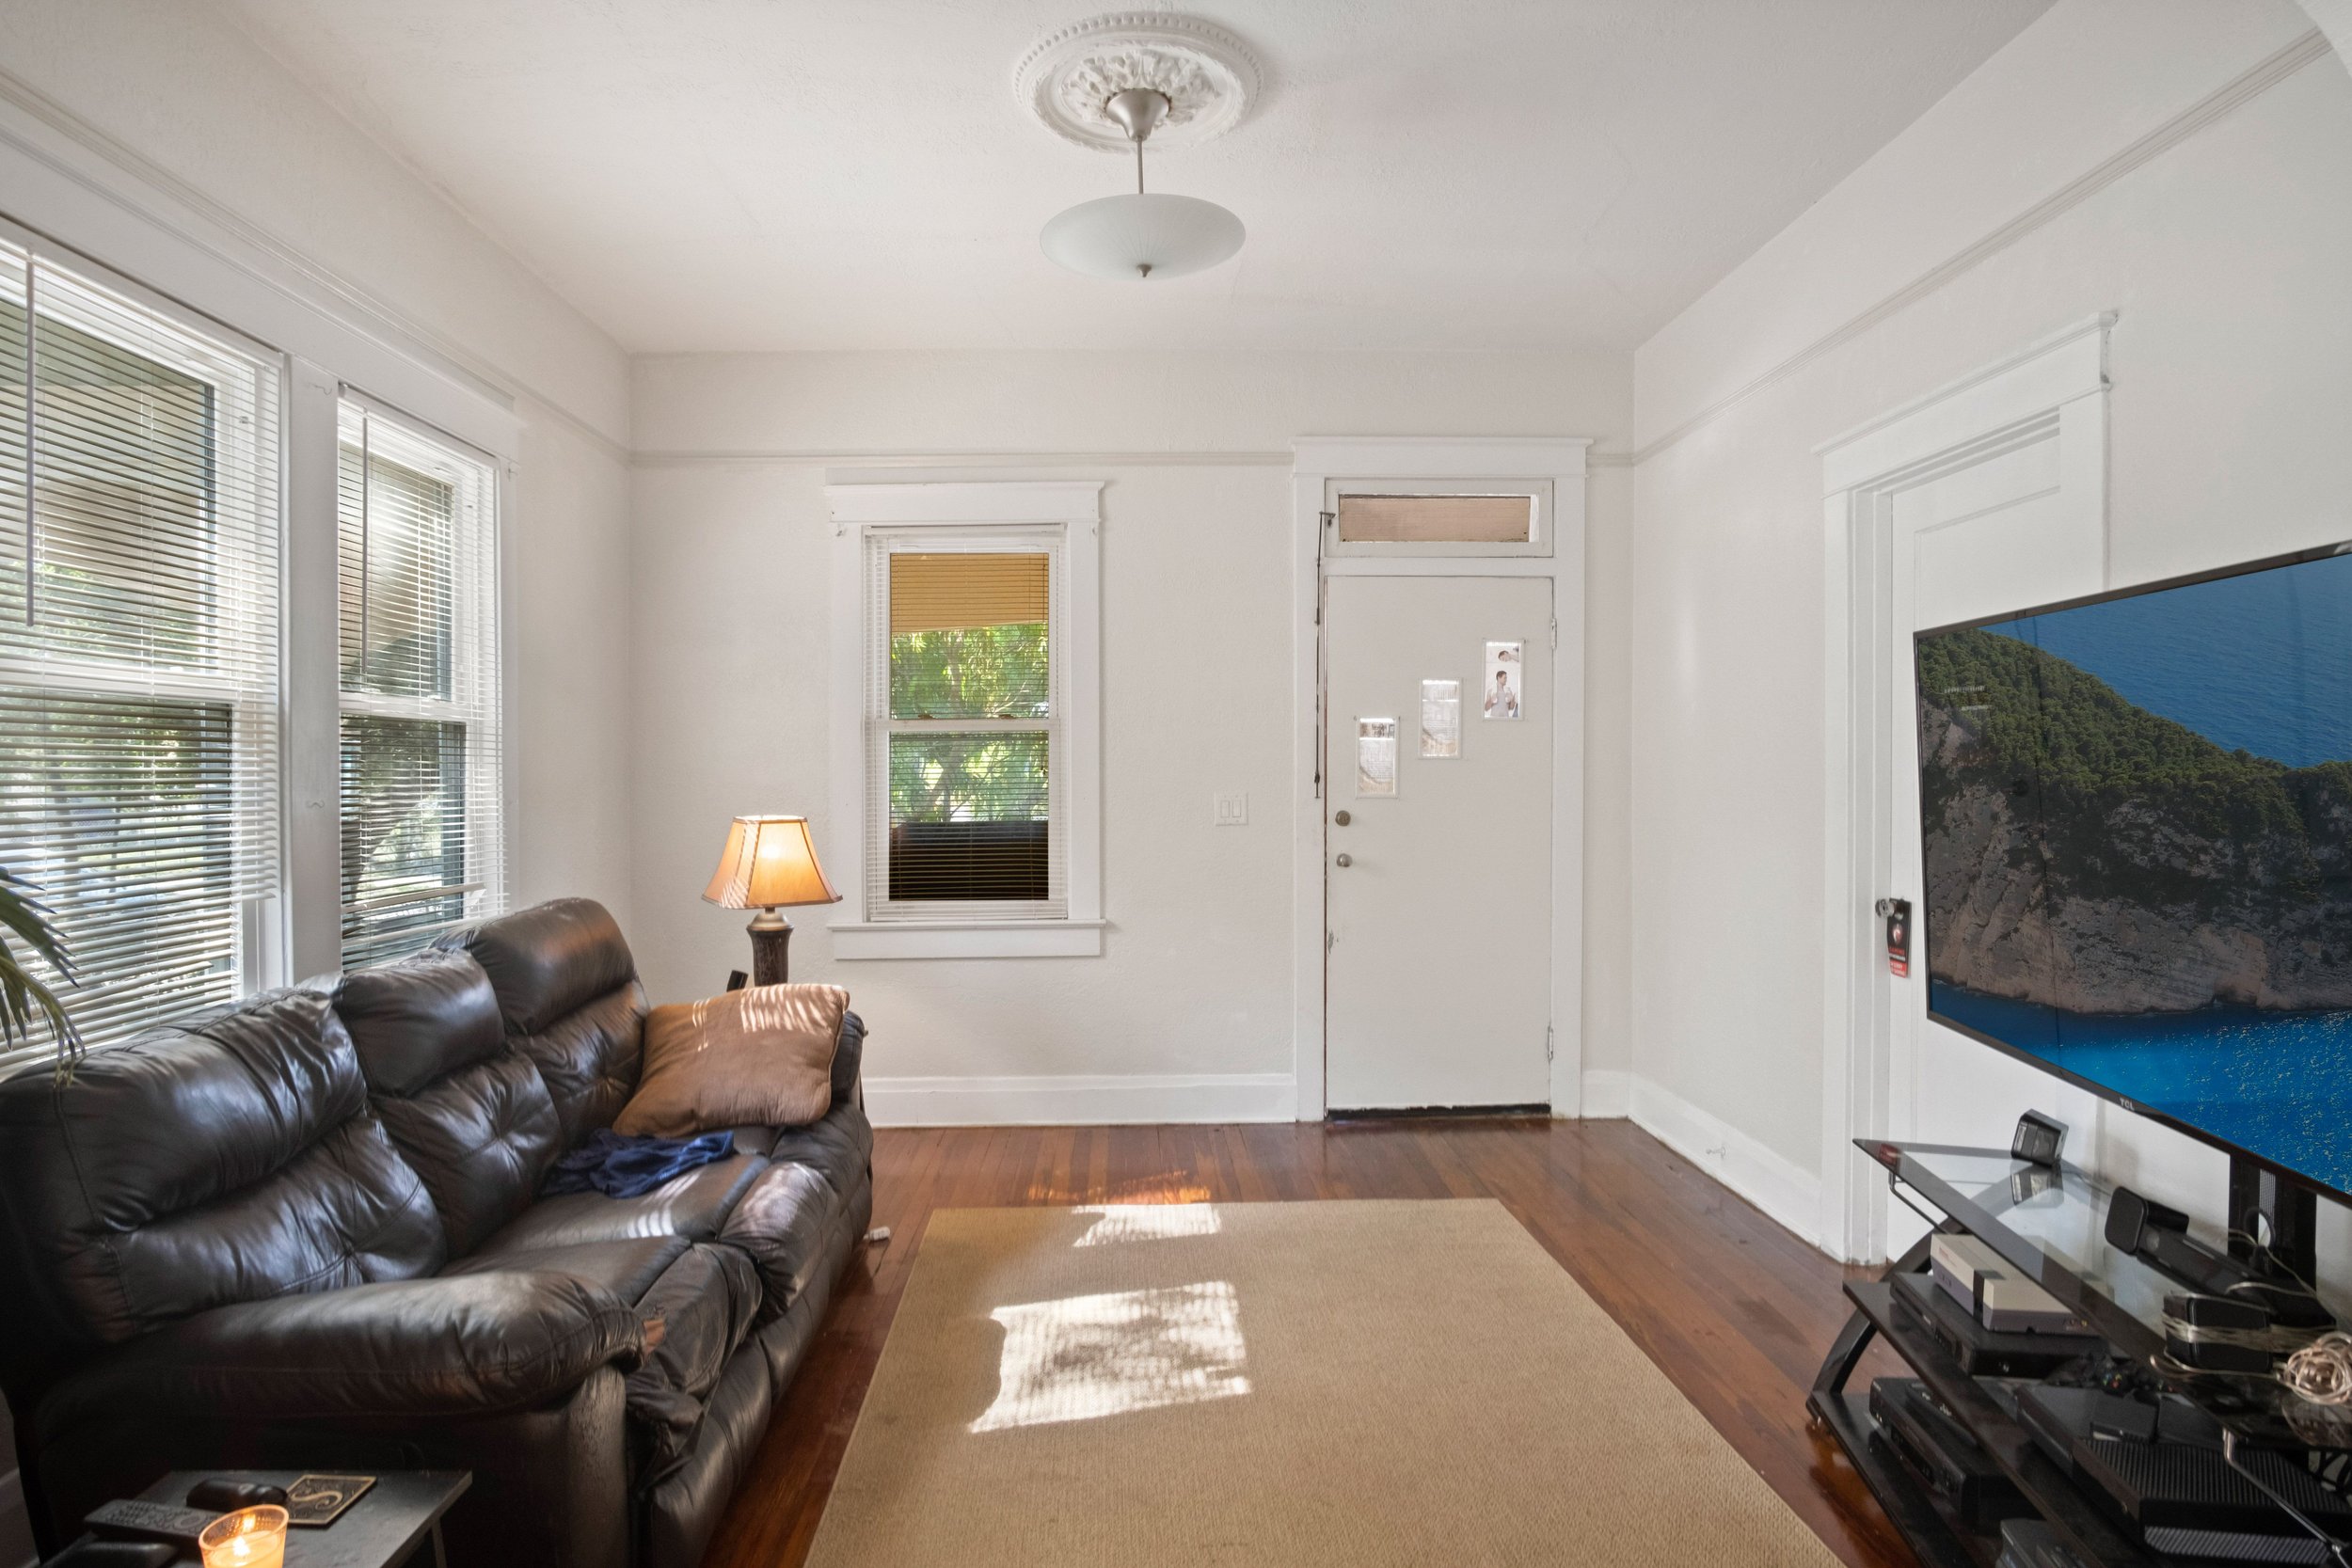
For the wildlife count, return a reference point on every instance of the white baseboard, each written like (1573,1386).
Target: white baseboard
(1788,1192)
(1082,1101)
(1608,1095)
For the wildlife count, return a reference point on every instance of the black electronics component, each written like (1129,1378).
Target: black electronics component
(1983,1351)
(2159,1237)
(227,1497)
(1942,1453)
(2174,1486)
(2211,1333)
(137,1516)
(2038,1139)
(2034,1543)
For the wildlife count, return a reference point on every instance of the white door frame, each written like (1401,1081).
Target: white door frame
(1317,461)
(2058,384)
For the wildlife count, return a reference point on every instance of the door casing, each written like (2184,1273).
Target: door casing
(2052,390)
(1318,462)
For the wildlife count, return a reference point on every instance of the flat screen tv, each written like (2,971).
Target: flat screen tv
(2136,812)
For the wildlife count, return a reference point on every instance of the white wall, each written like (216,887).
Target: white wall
(153,138)
(2089,166)
(731,614)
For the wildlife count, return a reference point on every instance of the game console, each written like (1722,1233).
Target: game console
(1940,1451)
(1998,1296)
(1983,1351)
(2159,1465)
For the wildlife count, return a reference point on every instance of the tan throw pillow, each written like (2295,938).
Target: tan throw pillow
(760,1056)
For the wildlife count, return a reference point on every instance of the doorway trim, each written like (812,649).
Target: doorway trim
(1316,461)
(2058,383)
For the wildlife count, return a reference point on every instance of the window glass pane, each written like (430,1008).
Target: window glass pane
(396,537)
(123,498)
(138,655)
(121,813)
(968,816)
(967,635)
(1436,519)
(404,812)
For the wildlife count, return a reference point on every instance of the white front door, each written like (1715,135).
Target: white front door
(1438,894)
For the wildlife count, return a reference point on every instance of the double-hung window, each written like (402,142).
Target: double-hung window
(139,696)
(417,555)
(970,789)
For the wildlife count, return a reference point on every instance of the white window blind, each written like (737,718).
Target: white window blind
(417,548)
(964,726)
(138,645)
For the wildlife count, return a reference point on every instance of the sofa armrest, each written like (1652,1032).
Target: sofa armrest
(848,1057)
(473,1344)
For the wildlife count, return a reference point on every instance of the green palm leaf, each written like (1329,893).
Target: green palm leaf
(27,1005)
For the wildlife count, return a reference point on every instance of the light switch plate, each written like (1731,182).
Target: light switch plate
(1232,809)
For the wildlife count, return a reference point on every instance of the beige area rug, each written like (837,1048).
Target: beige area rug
(1276,1382)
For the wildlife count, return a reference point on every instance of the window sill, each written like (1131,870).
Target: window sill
(967,939)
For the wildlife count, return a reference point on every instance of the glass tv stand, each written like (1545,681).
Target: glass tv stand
(2050,1225)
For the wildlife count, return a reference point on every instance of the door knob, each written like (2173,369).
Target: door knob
(1341,817)
(1343,861)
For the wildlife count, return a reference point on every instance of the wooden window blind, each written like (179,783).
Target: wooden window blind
(140,744)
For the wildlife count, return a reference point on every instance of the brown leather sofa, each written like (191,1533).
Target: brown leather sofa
(306,1230)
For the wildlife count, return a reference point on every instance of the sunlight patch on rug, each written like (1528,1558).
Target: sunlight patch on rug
(1085,1358)
(1147,1222)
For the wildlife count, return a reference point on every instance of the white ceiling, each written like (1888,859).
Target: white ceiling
(1419,174)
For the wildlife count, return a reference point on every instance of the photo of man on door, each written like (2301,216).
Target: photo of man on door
(1503,663)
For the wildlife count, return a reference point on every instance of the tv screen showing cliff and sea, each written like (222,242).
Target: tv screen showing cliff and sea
(2137,824)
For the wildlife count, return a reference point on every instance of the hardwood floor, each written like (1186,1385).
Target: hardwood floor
(1735,1310)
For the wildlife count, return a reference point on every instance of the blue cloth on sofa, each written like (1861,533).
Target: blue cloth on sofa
(619,1166)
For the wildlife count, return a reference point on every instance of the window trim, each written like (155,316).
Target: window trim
(1073,506)
(166,332)
(479,668)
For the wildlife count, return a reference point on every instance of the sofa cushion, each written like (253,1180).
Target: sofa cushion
(568,995)
(465,1108)
(626,1269)
(228,1158)
(705,1303)
(694,1206)
(762,1053)
(420,1020)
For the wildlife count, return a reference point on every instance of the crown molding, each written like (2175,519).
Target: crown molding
(135,184)
(2234,94)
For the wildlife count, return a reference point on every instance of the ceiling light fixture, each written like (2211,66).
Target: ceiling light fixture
(1111,83)
(1147,234)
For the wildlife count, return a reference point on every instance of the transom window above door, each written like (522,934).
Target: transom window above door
(1409,518)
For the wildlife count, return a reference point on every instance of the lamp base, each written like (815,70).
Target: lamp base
(772,944)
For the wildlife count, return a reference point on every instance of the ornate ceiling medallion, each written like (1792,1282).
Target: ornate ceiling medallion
(1208,76)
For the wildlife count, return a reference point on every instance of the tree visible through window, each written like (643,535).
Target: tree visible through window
(970,731)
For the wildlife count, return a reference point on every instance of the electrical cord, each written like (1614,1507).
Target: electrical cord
(2321,1372)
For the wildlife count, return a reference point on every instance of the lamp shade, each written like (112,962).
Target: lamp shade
(768,861)
(1142,236)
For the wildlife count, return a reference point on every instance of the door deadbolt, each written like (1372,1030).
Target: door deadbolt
(1341,817)
(1343,861)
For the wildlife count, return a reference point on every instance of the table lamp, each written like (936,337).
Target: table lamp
(769,862)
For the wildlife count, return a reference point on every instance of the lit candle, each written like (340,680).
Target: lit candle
(249,1537)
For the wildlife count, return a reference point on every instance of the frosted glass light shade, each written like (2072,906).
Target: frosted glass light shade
(1119,236)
